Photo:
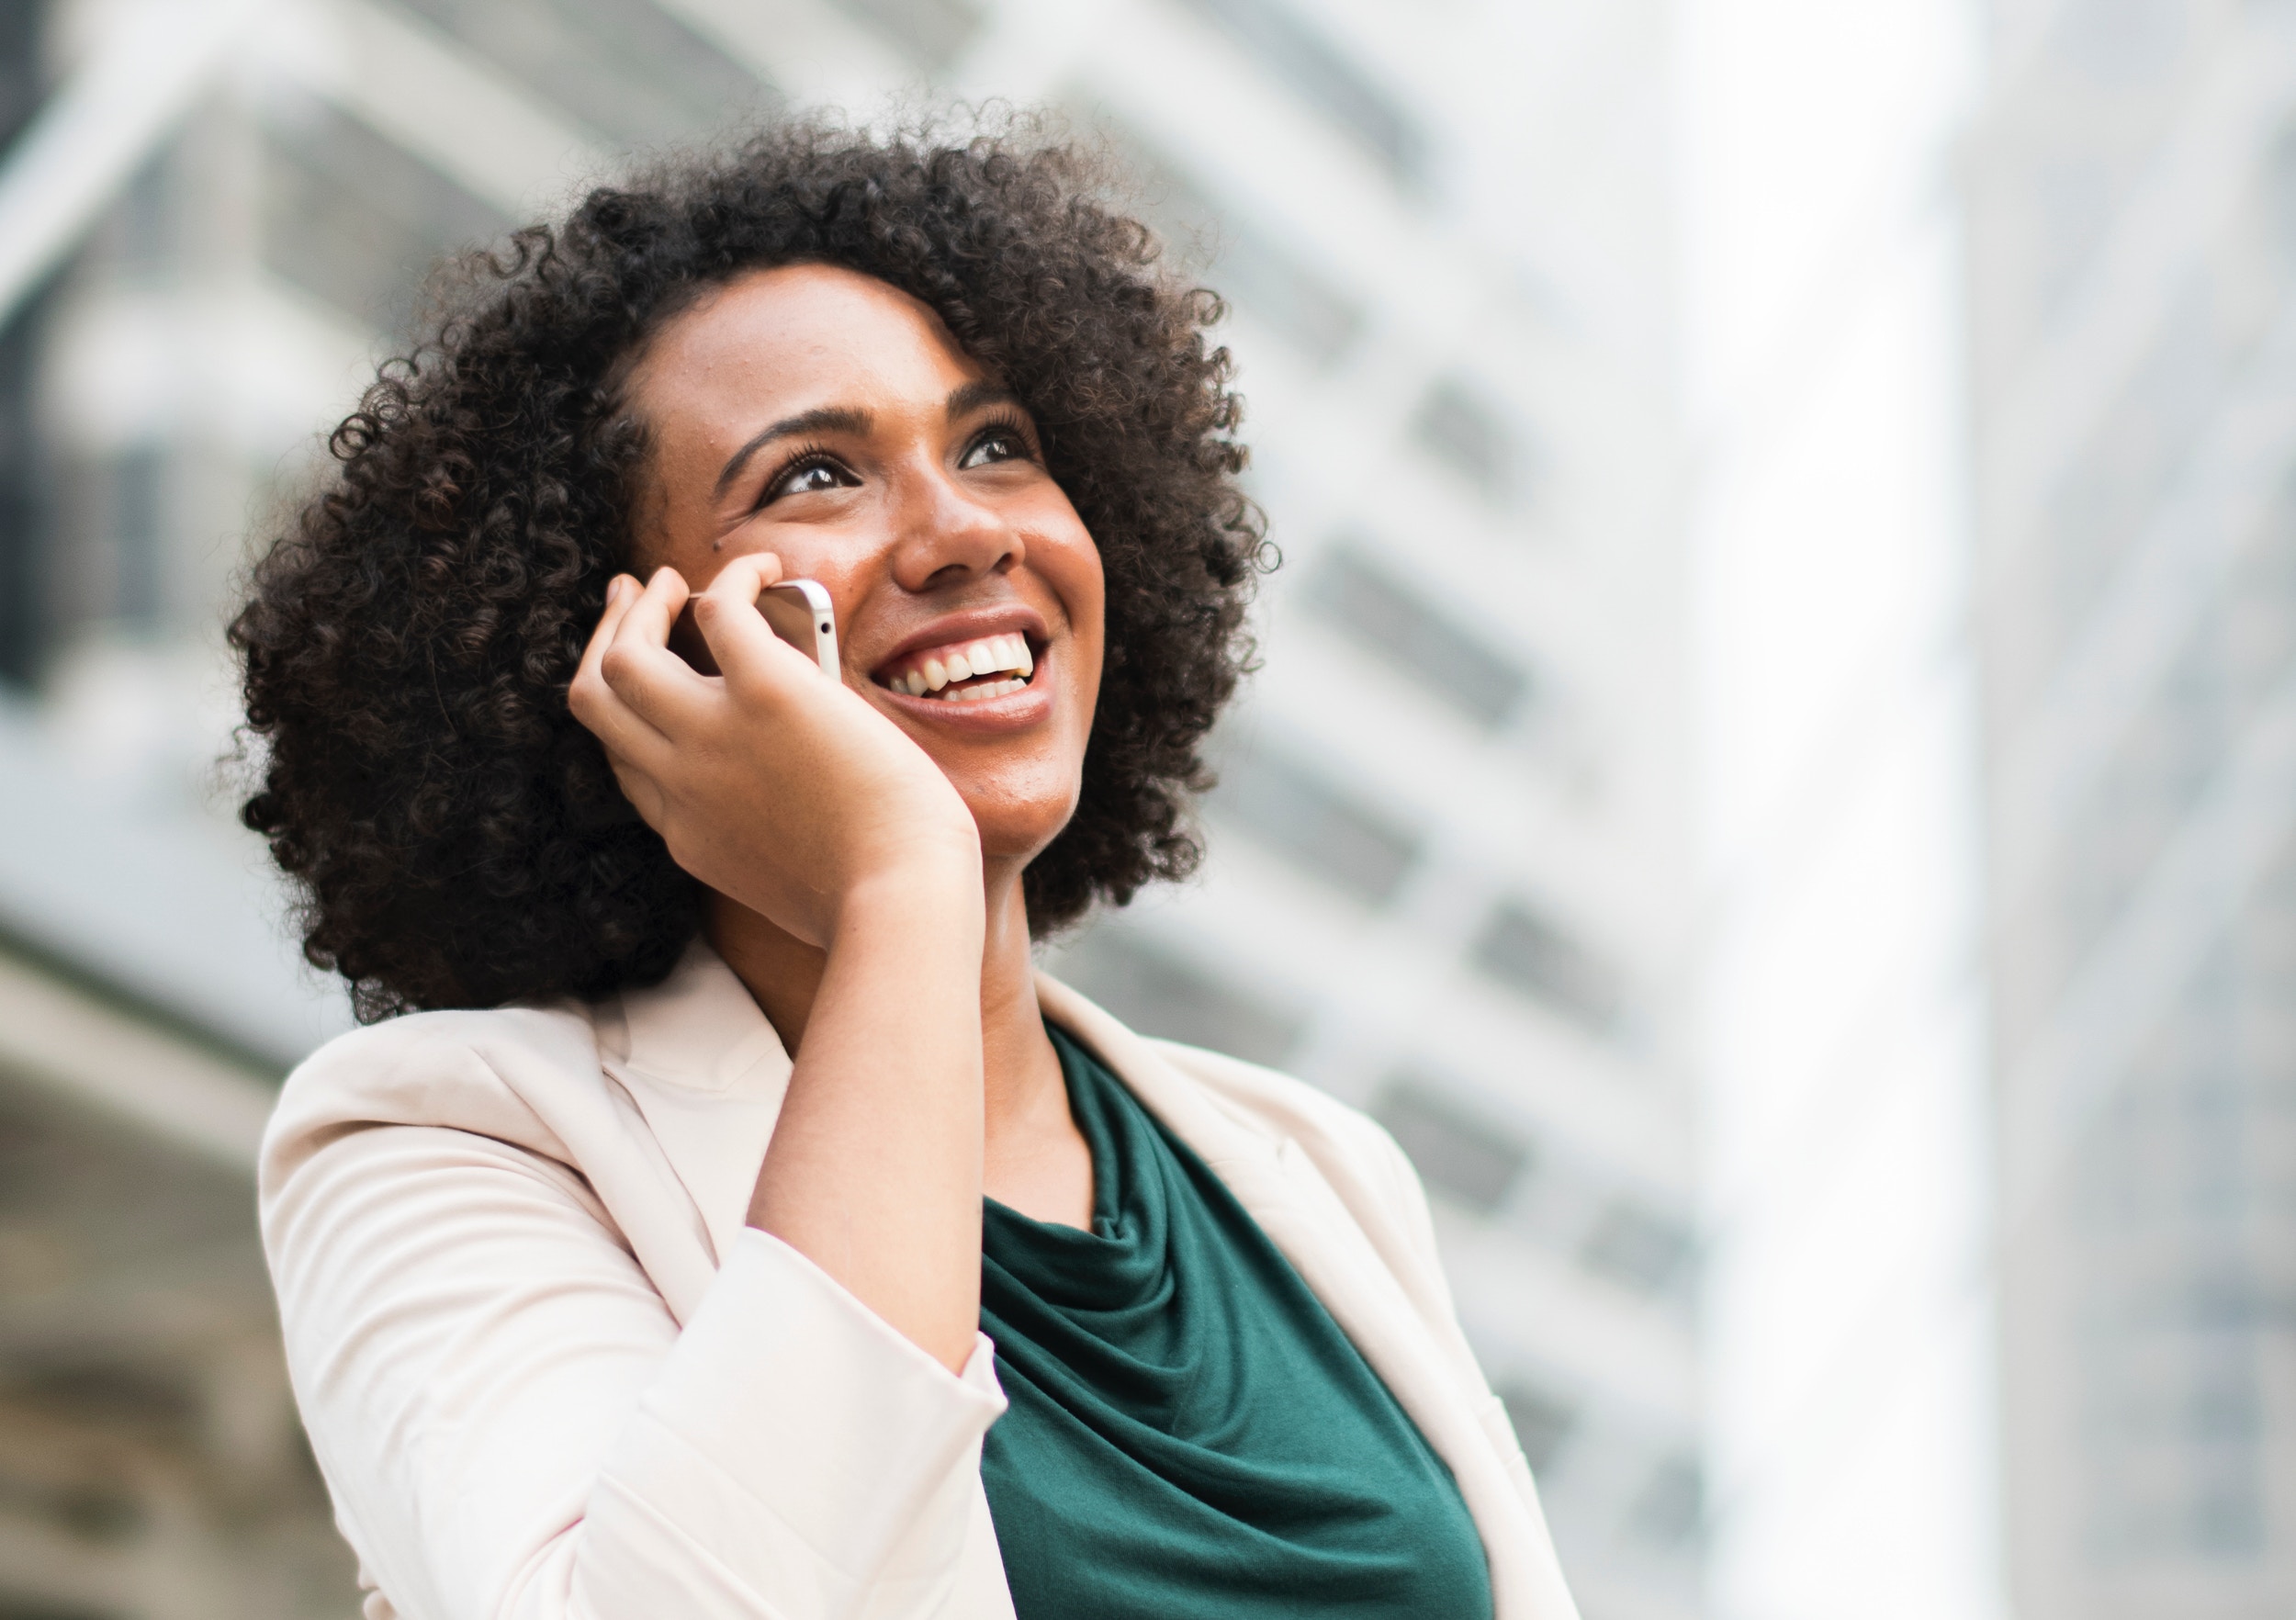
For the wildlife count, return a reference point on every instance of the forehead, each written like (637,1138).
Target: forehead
(793,338)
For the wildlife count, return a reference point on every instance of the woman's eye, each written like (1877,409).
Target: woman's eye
(1003,446)
(806,480)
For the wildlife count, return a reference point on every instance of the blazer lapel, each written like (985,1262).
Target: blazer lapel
(1277,1181)
(707,1072)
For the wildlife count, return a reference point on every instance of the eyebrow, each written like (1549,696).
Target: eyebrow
(967,398)
(827,418)
(963,401)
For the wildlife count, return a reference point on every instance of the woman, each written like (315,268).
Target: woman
(643,1267)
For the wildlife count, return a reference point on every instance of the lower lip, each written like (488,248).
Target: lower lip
(1016,711)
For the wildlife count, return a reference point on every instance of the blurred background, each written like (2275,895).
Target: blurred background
(1774,774)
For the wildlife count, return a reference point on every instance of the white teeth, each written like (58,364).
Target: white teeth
(991,654)
(974,694)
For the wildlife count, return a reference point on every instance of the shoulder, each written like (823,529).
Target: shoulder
(1209,1098)
(1234,1113)
(1348,1147)
(1333,1133)
(1352,1152)
(478,1071)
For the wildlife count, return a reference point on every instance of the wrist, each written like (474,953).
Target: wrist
(929,898)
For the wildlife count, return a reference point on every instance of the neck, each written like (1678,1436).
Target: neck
(1021,1070)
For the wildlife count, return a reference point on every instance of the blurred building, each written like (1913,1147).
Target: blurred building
(1450,870)
(2132,191)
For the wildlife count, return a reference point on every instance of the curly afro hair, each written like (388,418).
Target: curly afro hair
(457,837)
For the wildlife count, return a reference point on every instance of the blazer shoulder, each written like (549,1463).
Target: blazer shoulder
(1339,1137)
(478,1071)
(421,1061)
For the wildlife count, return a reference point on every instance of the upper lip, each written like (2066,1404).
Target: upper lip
(969,626)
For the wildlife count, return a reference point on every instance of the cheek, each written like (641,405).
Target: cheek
(1073,569)
(806,554)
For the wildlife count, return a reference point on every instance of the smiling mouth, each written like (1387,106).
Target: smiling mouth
(962,671)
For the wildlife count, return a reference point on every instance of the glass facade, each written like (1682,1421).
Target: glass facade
(2132,283)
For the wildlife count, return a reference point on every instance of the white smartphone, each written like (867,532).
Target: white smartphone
(800,613)
(797,611)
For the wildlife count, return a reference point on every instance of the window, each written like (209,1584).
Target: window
(1469,1160)
(2277,188)
(25,558)
(1318,824)
(143,224)
(1521,950)
(1671,1507)
(1465,431)
(933,32)
(2121,44)
(1282,293)
(110,560)
(1323,76)
(1542,1419)
(1451,661)
(134,503)
(358,221)
(1159,992)
(1637,1246)
(1242,261)
(633,72)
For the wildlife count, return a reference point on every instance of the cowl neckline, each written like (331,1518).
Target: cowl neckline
(1190,1433)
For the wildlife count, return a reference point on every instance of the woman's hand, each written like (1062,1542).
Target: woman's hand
(778,789)
(791,795)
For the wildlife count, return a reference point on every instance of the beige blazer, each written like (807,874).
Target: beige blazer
(548,1371)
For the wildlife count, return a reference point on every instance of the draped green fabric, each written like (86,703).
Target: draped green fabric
(1190,1433)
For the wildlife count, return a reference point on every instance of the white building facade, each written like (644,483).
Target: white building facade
(1449,871)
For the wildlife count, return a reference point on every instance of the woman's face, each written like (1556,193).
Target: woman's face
(825,417)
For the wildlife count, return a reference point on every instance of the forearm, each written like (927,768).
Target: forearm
(874,1169)
(465,1327)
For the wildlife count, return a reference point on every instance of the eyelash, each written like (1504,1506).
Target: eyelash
(1004,425)
(797,460)
(805,455)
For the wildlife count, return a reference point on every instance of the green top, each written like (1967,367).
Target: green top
(1190,1433)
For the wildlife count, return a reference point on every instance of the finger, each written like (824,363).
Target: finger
(626,734)
(654,609)
(746,578)
(621,591)
(590,695)
(644,793)
(660,686)
(740,640)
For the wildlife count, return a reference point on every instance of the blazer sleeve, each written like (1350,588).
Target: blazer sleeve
(515,1428)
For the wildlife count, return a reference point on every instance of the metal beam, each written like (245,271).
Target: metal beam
(63,1038)
(82,148)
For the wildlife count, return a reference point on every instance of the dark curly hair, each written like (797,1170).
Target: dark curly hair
(457,837)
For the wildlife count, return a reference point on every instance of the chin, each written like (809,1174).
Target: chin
(1020,830)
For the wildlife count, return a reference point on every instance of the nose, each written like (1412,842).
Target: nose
(946,535)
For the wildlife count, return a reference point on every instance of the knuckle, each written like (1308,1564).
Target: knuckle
(750,687)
